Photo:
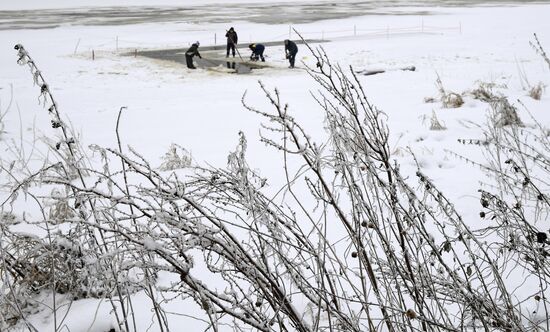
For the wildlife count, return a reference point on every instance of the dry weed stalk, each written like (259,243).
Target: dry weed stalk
(435,124)
(505,114)
(536,45)
(177,157)
(536,91)
(448,99)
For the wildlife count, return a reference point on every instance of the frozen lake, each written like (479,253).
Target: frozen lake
(273,13)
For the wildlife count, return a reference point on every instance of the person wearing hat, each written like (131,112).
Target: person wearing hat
(290,51)
(191,52)
(257,52)
(232,40)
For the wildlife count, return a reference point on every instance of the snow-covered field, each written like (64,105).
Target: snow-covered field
(201,110)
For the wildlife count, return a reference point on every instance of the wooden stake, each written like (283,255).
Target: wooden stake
(76,47)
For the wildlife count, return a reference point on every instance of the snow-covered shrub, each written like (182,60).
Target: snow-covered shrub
(536,91)
(435,124)
(448,99)
(452,100)
(359,244)
(60,210)
(516,204)
(514,210)
(67,255)
(37,264)
(505,113)
(176,157)
(485,92)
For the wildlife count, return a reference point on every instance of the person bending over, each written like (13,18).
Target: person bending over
(257,52)
(191,52)
(290,51)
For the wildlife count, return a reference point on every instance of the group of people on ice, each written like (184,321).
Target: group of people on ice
(291,49)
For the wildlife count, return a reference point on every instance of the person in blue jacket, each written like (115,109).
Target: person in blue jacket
(291,50)
(257,52)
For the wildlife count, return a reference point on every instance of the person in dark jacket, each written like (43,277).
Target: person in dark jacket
(232,40)
(257,52)
(191,52)
(290,50)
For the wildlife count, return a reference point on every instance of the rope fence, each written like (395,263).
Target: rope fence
(361,32)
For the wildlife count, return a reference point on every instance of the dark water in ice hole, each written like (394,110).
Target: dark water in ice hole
(211,58)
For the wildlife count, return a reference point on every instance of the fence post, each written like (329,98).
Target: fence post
(93,55)
(76,47)
(215,38)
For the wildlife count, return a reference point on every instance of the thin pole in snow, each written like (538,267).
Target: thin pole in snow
(76,47)
(135,53)
(355,30)
(93,55)
(323,35)
(117,43)
(215,38)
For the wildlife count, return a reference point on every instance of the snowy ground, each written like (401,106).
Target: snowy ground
(201,110)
